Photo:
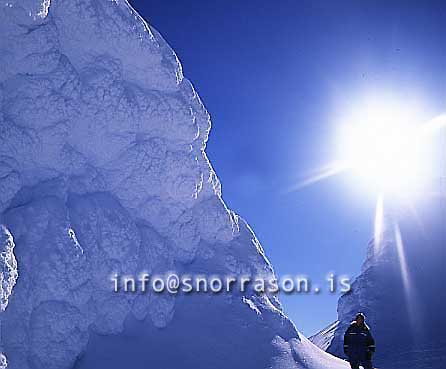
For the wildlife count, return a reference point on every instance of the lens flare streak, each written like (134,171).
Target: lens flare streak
(378,228)
(324,173)
(402,257)
(410,293)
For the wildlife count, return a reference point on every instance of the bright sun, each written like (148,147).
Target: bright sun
(383,144)
(389,144)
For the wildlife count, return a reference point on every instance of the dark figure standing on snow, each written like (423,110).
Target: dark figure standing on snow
(359,343)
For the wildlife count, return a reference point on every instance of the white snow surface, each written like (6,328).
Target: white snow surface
(103,169)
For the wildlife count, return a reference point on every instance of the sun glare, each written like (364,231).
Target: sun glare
(383,144)
(387,143)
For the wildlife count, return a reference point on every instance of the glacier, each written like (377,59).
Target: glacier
(401,288)
(103,170)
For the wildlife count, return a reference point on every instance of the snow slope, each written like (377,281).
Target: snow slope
(401,291)
(324,337)
(103,170)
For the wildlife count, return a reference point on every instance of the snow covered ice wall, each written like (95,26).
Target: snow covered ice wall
(103,170)
(402,291)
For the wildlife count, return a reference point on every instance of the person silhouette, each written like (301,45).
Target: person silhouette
(359,344)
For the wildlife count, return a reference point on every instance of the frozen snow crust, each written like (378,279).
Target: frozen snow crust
(102,170)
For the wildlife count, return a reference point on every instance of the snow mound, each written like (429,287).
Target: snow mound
(103,170)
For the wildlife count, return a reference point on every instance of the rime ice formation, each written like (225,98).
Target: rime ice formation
(8,276)
(402,292)
(8,272)
(103,170)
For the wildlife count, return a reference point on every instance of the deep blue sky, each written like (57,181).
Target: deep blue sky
(272,74)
